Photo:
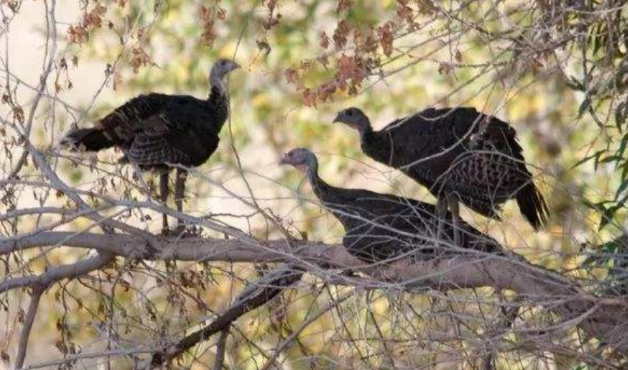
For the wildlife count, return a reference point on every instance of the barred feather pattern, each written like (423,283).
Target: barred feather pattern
(460,151)
(128,119)
(156,130)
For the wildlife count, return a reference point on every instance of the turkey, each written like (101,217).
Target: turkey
(158,131)
(383,227)
(459,154)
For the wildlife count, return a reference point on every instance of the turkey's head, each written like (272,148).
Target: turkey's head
(222,67)
(220,70)
(301,159)
(354,118)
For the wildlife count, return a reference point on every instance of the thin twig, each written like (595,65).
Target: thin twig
(28,325)
(221,347)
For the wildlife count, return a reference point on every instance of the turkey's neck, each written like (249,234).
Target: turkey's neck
(219,100)
(332,198)
(218,85)
(322,189)
(376,144)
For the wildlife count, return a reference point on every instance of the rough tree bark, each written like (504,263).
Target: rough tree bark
(605,319)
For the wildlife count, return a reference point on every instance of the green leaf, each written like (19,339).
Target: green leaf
(584,106)
(621,189)
(620,115)
(595,155)
(607,217)
(622,146)
(610,158)
(624,172)
(574,84)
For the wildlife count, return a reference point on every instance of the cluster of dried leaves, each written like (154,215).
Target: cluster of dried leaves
(357,51)
(208,16)
(16,109)
(139,58)
(273,17)
(92,19)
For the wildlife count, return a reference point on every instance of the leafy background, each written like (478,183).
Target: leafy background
(286,96)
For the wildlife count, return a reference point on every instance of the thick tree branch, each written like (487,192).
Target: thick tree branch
(603,318)
(54,274)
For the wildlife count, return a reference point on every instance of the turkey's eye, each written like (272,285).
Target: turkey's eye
(350,113)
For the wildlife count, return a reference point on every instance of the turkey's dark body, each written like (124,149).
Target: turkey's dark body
(381,227)
(157,130)
(454,151)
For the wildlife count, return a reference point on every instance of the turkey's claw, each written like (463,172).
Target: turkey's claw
(183,231)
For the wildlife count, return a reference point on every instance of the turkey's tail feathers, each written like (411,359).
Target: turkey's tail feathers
(533,206)
(88,139)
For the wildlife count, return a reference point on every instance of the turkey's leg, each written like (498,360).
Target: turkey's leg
(441,213)
(454,207)
(163,193)
(179,193)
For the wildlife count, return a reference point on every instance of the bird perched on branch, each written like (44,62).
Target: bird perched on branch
(158,131)
(459,154)
(382,227)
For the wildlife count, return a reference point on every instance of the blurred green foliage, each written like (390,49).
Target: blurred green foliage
(582,167)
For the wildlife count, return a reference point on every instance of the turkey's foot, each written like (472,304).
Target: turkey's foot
(166,231)
(182,231)
(191,231)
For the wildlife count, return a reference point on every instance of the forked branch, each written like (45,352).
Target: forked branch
(602,318)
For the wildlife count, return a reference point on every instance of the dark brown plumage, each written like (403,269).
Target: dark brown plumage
(380,227)
(157,131)
(459,152)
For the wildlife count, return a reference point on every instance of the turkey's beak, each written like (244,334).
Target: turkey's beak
(235,66)
(337,119)
(283,161)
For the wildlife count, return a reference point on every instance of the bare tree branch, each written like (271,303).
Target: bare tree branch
(486,54)
(55,274)
(221,347)
(602,318)
(253,296)
(28,325)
